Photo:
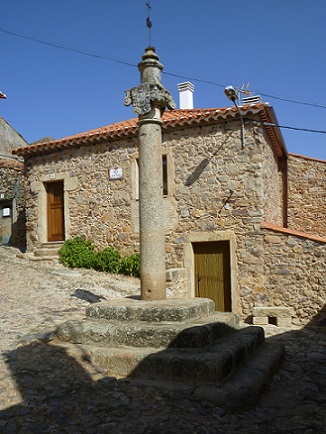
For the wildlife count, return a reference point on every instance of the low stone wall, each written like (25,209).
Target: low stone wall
(307,195)
(295,273)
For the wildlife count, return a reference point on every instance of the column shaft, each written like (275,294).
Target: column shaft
(151,222)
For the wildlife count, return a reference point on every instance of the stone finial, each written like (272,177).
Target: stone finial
(150,93)
(150,68)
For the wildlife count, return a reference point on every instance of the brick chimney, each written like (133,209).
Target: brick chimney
(186,91)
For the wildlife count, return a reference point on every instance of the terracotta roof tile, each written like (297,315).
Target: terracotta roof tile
(9,163)
(171,119)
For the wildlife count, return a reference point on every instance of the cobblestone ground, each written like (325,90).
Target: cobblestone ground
(46,389)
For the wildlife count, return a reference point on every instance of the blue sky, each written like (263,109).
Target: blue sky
(277,46)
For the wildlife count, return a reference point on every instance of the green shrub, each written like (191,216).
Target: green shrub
(130,265)
(107,260)
(77,253)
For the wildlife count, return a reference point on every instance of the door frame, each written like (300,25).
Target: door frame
(38,188)
(202,237)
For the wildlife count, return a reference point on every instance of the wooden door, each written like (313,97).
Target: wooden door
(212,273)
(55,210)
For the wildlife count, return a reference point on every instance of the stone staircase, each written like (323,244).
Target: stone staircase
(47,251)
(179,344)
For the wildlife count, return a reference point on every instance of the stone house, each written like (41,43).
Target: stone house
(12,198)
(244,225)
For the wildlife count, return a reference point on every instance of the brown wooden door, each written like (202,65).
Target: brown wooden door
(212,273)
(55,211)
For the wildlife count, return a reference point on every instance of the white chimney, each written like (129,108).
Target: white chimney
(186,100)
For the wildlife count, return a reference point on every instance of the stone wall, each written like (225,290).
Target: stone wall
(274,183)
(307,195)
(295,274)
(9,138)
(214,185)
(96,207)
(12,191)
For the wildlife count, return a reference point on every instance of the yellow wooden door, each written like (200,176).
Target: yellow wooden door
(212,273)
(55,211)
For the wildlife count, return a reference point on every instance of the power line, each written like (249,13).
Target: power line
(67,48)
(313,104)
(132,64)
(267,124)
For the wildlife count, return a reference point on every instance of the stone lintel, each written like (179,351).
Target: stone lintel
(271,311)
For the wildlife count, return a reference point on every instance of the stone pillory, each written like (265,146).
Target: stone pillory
(149,100)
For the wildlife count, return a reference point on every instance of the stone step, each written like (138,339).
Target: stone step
(199,333)
(44,259)
(211,364)
(175,341)
(170,310)
(238,392)
(48,250)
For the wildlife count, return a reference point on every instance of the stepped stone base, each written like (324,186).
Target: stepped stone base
(180,344)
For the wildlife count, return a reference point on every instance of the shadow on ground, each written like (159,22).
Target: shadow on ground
(59,395)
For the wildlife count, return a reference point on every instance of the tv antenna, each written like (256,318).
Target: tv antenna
(149,22)
(243,90)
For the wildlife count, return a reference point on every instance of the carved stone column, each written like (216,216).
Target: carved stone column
(149,100)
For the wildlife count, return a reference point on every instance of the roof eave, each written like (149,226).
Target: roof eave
(186,118)
(268,116)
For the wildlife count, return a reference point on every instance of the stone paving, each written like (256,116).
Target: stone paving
(47,388)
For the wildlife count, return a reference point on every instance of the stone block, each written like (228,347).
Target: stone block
(264,315)
(260,320)
(271,311)
(284,322)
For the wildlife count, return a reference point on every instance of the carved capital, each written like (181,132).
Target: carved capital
(147,95)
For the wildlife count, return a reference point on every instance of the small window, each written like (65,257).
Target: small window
(165,180)
(165,175)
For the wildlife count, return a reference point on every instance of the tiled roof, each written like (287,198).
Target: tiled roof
(171,119)
(9,163)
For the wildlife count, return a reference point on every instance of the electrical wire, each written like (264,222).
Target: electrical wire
(312,104)
(67,48)
(267,124)
(129,63)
